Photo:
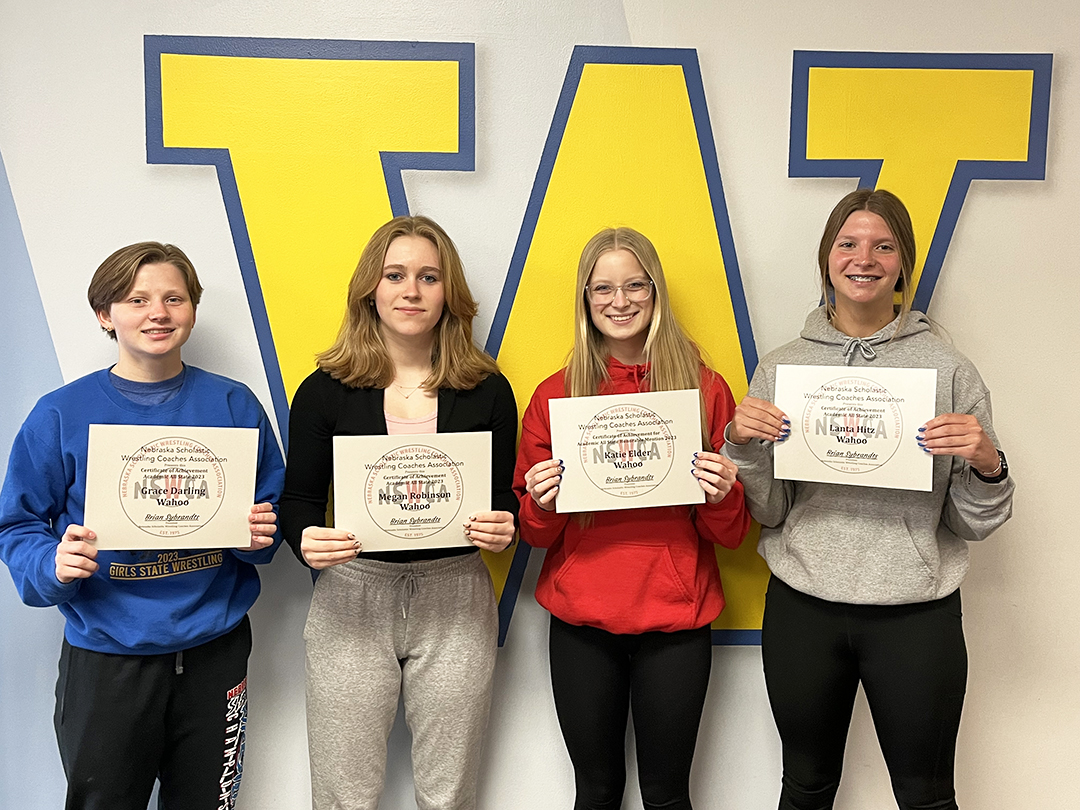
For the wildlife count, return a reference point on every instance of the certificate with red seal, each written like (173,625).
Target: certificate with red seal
(856,425)
(170,487)
(624,451)
(411,492)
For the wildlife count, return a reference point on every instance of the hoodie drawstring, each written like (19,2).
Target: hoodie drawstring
(864,348)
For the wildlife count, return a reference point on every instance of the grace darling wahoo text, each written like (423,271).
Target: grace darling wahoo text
(172,490)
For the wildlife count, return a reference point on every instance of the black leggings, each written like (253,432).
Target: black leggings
(597,676)
(912,662)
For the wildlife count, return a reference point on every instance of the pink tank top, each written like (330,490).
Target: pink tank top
(395,426)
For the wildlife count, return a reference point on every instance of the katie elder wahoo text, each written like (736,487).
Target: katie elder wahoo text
(619,449)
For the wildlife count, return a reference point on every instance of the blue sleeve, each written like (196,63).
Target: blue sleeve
(33,498)
(269,479)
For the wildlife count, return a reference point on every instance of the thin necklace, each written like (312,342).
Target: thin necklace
(411,391)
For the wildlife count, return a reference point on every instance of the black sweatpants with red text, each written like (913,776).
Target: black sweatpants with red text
(123,721)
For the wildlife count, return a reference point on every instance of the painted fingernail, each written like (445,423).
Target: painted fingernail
(695,455)
(356,544)
(785,420)
(925,448)
(472,517)
(922,428)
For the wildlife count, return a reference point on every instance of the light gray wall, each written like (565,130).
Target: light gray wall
(72,140)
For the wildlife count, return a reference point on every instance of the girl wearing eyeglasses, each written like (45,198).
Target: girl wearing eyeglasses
(631,592)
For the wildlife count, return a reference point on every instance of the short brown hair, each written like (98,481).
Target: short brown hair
(895,214)
(116,275)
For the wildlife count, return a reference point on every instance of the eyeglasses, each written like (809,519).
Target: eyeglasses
(637,291)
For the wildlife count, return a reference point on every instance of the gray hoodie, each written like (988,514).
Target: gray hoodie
(868,545)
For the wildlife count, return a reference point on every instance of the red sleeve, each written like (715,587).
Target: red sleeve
(538,527)
(727,522)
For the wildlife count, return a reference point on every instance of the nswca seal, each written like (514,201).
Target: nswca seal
(172,487)
(413,491)
(852,424)
(626,450)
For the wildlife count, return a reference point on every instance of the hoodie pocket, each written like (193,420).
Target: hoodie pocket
(859,557)
(605,583)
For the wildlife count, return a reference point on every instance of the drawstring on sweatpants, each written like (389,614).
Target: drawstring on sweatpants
(180,663)
(410,587)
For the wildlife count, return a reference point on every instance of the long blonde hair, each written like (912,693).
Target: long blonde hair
(358,356)
(674,360)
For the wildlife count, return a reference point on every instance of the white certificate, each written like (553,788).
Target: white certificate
(626,450)
(856,425)
(411,492)
(170,487)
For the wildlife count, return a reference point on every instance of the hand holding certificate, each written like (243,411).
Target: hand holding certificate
(855,426)
(169,487)
(410,492)
(626,450)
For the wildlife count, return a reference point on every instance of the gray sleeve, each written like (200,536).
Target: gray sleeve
(973,508)
(768,499)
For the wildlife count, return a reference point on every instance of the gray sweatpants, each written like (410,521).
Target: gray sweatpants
(426,630)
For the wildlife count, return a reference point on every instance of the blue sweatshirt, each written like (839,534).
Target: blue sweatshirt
(138,602)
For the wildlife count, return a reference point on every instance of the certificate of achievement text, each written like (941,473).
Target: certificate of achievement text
(855,425)
(167,487)
(625,451)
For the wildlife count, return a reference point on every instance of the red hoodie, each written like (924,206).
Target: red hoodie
(630,570)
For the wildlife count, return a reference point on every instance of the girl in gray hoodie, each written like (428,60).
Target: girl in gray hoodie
(865,580)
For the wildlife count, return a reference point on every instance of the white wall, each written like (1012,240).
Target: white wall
(72,140)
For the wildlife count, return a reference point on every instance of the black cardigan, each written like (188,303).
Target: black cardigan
(324,407)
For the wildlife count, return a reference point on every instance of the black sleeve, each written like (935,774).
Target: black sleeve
(310,462)
(504,425)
